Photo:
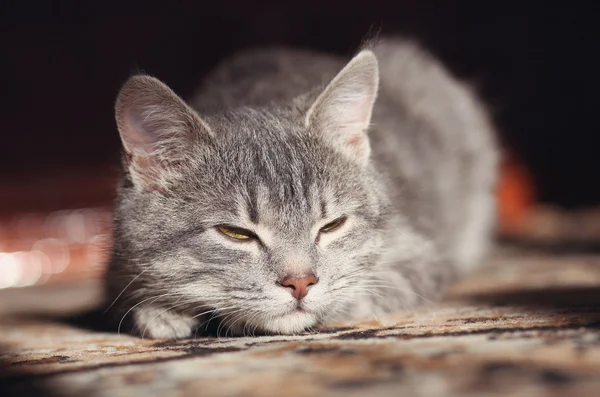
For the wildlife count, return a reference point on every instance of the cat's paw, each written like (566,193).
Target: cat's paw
(158,323)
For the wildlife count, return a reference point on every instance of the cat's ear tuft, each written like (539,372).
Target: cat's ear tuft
(342,113)
(156,127)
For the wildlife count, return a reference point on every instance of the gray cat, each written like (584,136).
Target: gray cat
(297,190)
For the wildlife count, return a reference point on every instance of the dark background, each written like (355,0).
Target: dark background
(62,63)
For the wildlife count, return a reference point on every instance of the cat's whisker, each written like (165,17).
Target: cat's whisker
(256,325)
(371,292)
(388,284)
(236,320)
(175,305)
(136,305)
(121,293)
(413,183)
(249,321)
(224,320)
(379,282)
(212,316)
(213,313)
(368,292)
(206,312)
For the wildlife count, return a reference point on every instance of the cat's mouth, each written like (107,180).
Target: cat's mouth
(299,307)
(294,320)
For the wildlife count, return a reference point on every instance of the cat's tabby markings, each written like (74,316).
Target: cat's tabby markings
(272,203)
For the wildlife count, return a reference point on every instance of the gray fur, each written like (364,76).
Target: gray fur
(266,151)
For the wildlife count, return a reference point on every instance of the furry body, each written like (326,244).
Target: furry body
(281,142)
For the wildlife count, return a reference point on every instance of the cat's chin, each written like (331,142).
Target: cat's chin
(293,323)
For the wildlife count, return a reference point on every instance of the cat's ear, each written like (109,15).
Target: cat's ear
(343,110)
(156,129)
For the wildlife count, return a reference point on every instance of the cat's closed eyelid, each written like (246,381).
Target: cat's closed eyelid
(333,225)
(329,231)
(237,234)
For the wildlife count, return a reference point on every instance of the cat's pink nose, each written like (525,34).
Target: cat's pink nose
(299,285)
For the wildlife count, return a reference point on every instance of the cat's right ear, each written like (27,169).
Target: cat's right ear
(342,112)
(156,129)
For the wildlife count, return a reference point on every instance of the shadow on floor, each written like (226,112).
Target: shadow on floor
(17,383)
(548,298)
(98,321)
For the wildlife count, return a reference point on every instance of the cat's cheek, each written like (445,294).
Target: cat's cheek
(318,301)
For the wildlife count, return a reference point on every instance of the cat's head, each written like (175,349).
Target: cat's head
(271,216)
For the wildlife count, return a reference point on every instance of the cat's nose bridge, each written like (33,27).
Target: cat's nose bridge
(293,259)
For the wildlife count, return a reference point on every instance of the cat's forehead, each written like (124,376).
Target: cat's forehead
(264,126)
(272,147)
(277,171)
(272,194)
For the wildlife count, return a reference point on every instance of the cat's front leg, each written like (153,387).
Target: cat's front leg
(386,294)
(157,323)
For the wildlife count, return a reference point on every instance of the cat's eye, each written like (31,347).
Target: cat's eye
(333,225)
(237,233)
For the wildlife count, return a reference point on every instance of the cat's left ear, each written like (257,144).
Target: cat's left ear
(157,129)
(342,112)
